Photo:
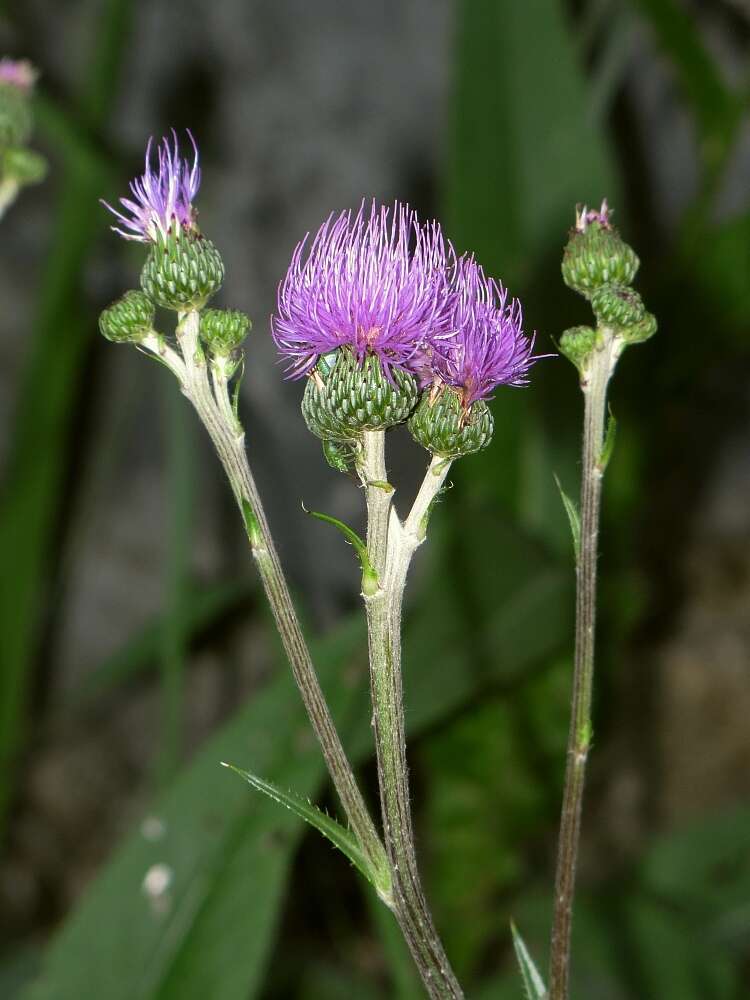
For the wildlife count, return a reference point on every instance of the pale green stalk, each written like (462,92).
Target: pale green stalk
(390,547)
(211,401)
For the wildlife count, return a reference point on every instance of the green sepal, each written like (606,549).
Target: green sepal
(182,271)
(338,835)
(532,980)
(609,443)
(639,332)
(129,319)
(617,305)
(23,166)
(597,256)
(16,119)
(223,330)
(350,398)
(574,518)
(370,581)
(444,428)
(577,344)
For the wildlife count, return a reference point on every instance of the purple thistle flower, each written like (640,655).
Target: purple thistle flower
(17,73)
(162,197)
(489,347)
(585,216)
(377,284)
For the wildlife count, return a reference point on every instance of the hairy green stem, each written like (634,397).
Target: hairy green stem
(215,411)
(390,548)
(594,384)
(8,194)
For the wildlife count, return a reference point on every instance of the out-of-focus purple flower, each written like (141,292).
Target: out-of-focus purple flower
(162,196)
(489,347)
(377,283)
(17,73)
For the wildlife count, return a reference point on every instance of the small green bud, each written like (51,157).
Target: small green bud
(223,330)
(442,425)
(577,343)
(23,166)
(183,271)
(129,319)
(15,115)
(641,331)
(596,255)
(617,305)
(351,398)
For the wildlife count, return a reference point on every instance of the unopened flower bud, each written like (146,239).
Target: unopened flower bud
(15,115)
(443,426)
(596,255)
(640,331)
(223,330)
(577,343)
(129,319)
(342,401)
(182,271)
(617,305)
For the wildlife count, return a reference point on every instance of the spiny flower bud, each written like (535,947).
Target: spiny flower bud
(596,255)
(182,271)
(129,319)
(223,330)
(16,83)
(348,398)
(443,426)
(15,116)
(577,344)
(617,305)
(641,331)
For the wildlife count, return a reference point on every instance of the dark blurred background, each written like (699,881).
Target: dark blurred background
(136,648)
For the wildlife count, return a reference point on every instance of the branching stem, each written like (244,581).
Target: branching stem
(214,408)
(391,546)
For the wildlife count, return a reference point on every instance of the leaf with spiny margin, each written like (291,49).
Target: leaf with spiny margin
(609,443)
(532,980)
(574,518)
(338,835)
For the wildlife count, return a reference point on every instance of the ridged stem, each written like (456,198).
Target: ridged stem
(215,411)
(390,548)
(594,386)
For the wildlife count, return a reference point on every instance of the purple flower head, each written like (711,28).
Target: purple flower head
(489,347)
(585,216)
(162,197)
(17,73)
(378,284)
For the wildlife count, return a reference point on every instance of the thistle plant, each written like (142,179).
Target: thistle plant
(19,165)
(387,327)
(599,265)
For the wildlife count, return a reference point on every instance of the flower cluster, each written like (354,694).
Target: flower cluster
(378,285)
(163,196)
(386,285)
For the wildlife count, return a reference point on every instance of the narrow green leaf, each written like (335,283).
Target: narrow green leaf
(609,443)
(370,582)
(532,980)
(574,518)
(338,835)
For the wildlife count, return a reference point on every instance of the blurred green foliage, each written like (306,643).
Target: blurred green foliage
(488,635)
